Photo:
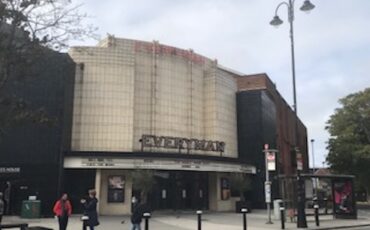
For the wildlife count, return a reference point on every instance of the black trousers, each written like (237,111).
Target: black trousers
(1,218)
(85,225)
(63,222)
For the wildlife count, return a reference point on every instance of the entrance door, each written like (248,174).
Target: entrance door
(180,190)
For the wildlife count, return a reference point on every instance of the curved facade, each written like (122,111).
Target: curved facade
(127,104)
(125,89)
(144,105)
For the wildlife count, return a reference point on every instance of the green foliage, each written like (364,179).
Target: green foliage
(144,181)
(349,143)
(240,182)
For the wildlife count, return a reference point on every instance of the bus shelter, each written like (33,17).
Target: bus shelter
(335,194)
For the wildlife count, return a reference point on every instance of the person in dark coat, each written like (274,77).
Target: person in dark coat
(136,216)
(63,209)
(90,206)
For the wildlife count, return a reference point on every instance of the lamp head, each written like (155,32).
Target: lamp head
(307,6)
(276,21)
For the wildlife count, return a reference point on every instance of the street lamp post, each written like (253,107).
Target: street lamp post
(313,156)
(276,21)
(313,167)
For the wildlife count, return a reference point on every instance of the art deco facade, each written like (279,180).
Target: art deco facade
(126,88)
(148,106)
(151,106)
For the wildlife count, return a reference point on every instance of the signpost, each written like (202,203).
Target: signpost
(270,165)
(299,161)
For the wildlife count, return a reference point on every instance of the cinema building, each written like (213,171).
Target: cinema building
(148,106)
(144,105)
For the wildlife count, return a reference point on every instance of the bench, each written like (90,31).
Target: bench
(20,226)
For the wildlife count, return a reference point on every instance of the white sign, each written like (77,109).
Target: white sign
(10,170)
(156,163)
(268,191)
(271,163)
(164,194)
(299,162)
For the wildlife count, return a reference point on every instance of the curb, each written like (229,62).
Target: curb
(342,227)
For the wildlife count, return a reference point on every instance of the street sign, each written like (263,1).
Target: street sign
(299,162)
(271,163)
(268,191)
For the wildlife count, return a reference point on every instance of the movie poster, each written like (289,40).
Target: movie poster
(225,189)
(343,197)
(116,189)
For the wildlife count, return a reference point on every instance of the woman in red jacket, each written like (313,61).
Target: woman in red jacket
(63,209)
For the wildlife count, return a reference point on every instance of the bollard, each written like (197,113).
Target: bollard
(146,216)
(316,207)
(244,211)
(199,213)
(282,217)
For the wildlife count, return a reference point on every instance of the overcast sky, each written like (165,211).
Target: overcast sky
(332,44)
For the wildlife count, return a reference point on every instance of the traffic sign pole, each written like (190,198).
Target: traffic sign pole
(269,166)
(268,153)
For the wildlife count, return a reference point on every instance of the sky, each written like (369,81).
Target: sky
(332,45)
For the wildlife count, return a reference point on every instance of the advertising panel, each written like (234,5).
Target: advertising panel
(116,189)
(225,189)
(344,199)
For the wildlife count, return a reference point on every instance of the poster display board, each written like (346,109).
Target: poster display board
(225,189)
(343,198)
(116,189)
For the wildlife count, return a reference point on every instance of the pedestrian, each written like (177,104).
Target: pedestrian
(2,208)
(90,214)
(136,215)
(62,210)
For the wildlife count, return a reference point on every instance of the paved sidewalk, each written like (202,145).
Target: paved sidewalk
(188,221)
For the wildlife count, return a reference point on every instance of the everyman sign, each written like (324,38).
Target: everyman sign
(182,143)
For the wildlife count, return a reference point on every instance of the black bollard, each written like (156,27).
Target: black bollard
(146,216)
(282,217)
(199,213)
(316,207)
(244,211)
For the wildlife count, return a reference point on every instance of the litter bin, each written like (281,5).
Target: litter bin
(277,204)
(30,209)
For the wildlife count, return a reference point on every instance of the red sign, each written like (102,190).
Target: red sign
(168,50)
(270,156)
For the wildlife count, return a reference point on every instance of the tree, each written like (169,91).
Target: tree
(143,181)
(240,182)
(27,29)
(349,142)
